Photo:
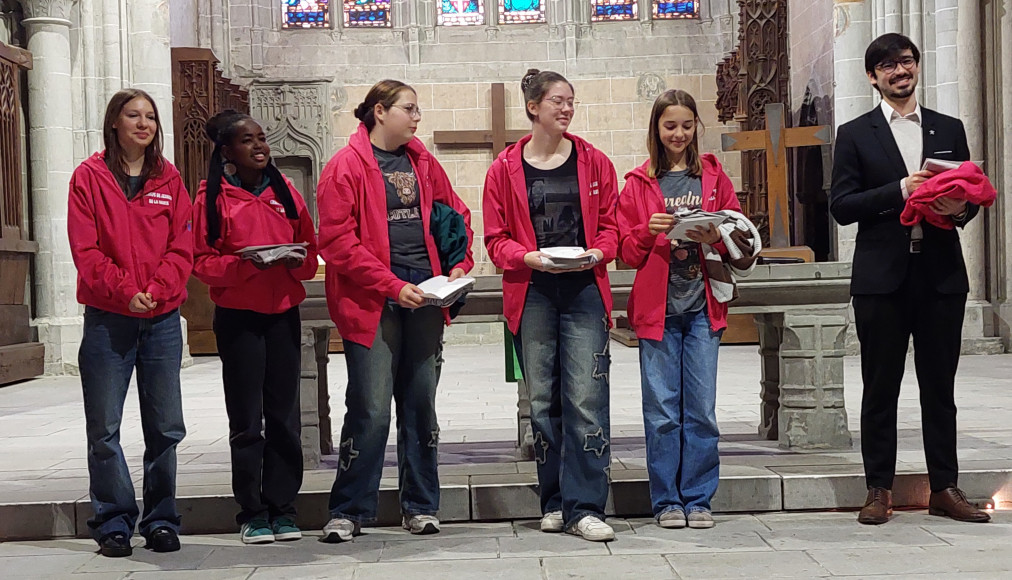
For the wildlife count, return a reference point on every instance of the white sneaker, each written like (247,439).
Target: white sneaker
(700,519)
(552,522)
(672,519)
(340,530)
(593,529)
(421,524)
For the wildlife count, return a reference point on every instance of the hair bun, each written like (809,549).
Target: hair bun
(361,111)
(528,79)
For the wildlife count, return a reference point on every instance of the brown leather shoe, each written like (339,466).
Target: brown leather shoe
(878,508)
(951,502)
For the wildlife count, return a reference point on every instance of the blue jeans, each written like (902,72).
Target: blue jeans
(113,344)
(678,375)
(402,364)
(563,352)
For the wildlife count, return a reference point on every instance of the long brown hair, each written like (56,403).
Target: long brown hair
(659,162)
(153,159)
(386,93)
(536,83)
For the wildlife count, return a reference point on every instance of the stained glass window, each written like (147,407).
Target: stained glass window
(305,14)
(521,11)
(367,13)
(604,10)
(670,10)
(461,12)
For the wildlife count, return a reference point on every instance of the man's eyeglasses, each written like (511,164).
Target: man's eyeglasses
(889,66)
(560,103)
(412,110)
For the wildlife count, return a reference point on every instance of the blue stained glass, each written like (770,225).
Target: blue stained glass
(461,12)
(521,11)
(367,13)
(672,10)
(613,10)
(305,13)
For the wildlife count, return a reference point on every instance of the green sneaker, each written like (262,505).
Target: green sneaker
(256,531)
(285,529)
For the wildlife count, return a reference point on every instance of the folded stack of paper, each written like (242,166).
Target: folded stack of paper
(566,257)
(273,252)
(440,291)
(684,222)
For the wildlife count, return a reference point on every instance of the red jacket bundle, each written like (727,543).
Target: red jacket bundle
(967,182)
(122,247)
(354,232)
(509,232)
(251,220)
(650,254)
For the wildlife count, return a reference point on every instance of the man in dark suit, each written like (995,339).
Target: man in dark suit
(906,280)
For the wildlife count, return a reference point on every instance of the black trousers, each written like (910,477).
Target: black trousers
(260,358)
(885,324)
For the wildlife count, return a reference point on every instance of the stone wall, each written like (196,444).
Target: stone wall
(616,68)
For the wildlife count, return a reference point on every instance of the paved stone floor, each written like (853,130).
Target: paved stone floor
(780,545)
(42,459)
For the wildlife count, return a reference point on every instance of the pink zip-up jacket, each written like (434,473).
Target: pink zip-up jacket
(509,232)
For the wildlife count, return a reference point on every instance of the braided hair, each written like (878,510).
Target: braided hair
(221,130)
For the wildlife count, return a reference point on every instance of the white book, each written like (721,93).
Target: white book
(691,221)
(270,253)
(565,257)
(440,291)
(943,165)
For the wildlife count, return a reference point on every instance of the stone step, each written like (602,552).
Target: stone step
(211,509)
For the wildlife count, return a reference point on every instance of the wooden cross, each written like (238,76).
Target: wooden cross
(498,138)
(775,140)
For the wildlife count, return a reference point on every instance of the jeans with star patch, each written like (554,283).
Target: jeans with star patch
(563,351)
(401,364)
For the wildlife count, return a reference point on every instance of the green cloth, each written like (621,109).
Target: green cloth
(450,233)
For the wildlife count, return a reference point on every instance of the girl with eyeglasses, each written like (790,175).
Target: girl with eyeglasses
(554,189)
(376,200)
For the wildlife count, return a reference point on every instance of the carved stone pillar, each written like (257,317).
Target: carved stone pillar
(151,59)
(51,135)
(812,413)
(309,386)
(771,332)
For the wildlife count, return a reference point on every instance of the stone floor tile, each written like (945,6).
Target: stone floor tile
(660,541)
(481,569)
(342,571)
(189,557)
(746,565)
(51,566)
(217,574)
(915,560)
(850,536)
(230,553)
(431,548)
(638,567)
(549,545)
(469,530)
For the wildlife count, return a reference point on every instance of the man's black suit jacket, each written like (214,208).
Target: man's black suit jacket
(867,169)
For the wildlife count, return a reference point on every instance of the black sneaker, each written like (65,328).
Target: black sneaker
(163,540)
(115,545)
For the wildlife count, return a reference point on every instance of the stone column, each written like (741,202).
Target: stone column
(771,332)
(151,59)
(853,95)
(51,163)
(1004,217)
(969,62)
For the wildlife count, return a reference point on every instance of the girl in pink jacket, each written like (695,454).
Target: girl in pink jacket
(673,310)
(553,189)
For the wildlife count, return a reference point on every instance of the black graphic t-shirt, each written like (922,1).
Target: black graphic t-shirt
(686,290)
(553,197)
(404,215)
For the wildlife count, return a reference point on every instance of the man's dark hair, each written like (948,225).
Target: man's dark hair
(888,47)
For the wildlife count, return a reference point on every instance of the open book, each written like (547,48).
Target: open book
(439,291)
(273,252)
(565,257)
(942,165)
(693,220)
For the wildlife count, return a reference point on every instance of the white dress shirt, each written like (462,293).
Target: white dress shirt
(906,130)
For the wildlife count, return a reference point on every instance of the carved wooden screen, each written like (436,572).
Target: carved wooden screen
(756,74)
(199,92)
(12,60)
